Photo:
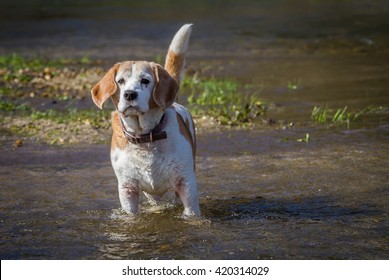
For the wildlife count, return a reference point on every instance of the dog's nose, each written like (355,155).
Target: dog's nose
(130,95)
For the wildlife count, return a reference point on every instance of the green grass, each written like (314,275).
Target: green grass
(9,106)
(17,62)
(96,118)
(55,127)
(294,84)
(306,139)
(20,69)
(339,116)
(324,115)
(223,99)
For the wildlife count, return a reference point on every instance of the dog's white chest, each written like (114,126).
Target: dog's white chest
(150,170)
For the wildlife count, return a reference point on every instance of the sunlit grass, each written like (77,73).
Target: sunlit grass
(21,69)
(324,115)
(93,117)
(226,100)
(306,139)
(339,116)
(16,62)
(294,84)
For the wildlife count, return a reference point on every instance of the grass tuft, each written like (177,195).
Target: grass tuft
(95,118)
(306,139)
(225,100)
(323,115)
(294,84)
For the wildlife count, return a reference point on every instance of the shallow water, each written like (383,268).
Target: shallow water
(260,198)
(263,193)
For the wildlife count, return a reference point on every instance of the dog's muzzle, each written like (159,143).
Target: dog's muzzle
(130,95)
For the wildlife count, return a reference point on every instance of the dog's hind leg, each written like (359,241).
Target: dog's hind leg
(188,193)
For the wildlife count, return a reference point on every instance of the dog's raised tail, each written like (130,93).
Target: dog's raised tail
(175,58)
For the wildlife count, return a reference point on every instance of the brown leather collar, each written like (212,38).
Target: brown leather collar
(156,134)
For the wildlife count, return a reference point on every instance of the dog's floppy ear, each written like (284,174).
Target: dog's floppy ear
(165,90)
(106,87)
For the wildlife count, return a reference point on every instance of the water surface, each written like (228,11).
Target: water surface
(261,198)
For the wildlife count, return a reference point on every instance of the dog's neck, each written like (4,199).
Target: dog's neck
(143,124)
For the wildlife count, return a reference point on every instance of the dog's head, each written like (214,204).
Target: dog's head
(136,87)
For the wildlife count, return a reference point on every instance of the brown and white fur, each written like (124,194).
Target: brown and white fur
(142,93)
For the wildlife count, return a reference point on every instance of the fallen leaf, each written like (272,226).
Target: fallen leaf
(18,143)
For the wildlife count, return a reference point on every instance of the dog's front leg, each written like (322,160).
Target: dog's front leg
(129,197)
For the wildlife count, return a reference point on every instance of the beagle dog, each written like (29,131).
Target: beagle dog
(153,143)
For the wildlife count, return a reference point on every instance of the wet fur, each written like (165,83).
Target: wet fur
(161,166)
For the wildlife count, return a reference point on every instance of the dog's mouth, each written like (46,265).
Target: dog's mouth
(131,111)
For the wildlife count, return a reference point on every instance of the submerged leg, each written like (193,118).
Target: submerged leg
(188,193)
(129,197)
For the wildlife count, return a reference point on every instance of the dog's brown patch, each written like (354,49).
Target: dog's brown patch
(118,139)
(185,131)
(174,64)
(166,87)
(106,87)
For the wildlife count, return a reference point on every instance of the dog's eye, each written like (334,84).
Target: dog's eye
(144,81)
(121,81)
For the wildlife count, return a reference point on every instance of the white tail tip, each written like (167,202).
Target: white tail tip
(180,41)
